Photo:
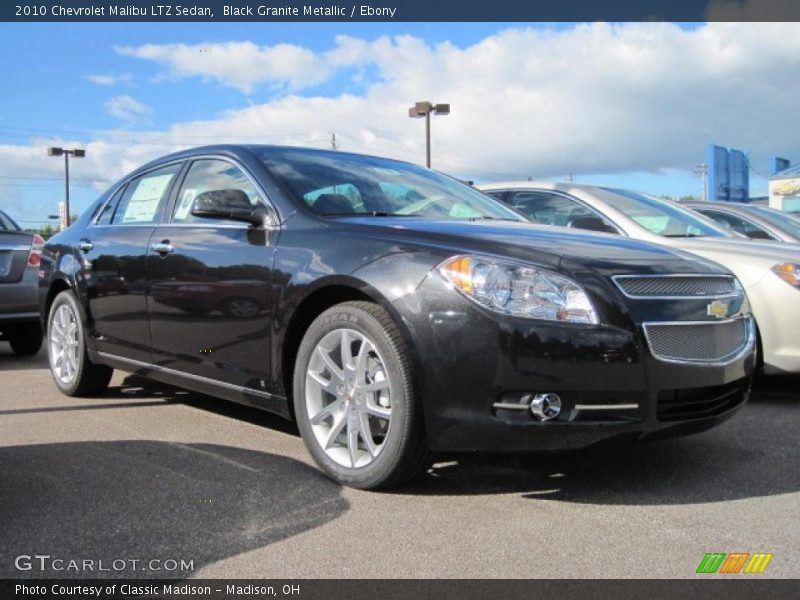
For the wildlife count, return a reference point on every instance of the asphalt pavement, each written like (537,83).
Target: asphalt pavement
(148,473)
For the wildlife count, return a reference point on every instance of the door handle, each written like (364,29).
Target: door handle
(163,248)
(85,245)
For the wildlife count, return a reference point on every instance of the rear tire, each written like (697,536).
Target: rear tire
(26,340)
(355,400)
(74,374)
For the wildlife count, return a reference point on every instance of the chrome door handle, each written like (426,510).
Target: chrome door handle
(85,245)
(163,247)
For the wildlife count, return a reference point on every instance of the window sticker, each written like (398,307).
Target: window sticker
(144,202)
(185,205)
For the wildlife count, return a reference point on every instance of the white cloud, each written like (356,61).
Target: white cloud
(127,109)
(109,80)
(595,98)
(242,65)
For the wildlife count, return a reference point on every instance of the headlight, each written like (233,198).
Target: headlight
(789,272)
(518,290)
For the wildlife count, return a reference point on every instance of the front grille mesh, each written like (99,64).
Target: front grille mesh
(697,342)
(675,286)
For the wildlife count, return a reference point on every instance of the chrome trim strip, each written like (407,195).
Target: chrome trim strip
(15,247)
(167,219)
(606,406)
(199,378)
(511,406)
(747,347)
(737,291)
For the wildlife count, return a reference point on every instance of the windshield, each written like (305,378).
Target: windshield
(658,216)
(335,184)
(781,220)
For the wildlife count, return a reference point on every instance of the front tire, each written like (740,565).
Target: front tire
(355,400)
(72,371)
(26,340)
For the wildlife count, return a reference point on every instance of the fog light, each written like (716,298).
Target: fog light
(545,406)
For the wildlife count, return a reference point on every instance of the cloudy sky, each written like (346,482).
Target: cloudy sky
(630,104)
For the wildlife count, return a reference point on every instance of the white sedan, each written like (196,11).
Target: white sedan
(770,272)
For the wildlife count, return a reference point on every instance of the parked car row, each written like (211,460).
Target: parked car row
(20,255)
(770,273)
(394,312)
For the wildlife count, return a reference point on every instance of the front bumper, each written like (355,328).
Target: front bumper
(609,383)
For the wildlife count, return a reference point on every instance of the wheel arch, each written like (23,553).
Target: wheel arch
(317,301)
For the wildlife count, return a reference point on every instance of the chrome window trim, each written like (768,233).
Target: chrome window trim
(189,159)
(733,294)
(199,378)
(747,347)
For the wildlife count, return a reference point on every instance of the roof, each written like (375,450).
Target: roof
(791,172)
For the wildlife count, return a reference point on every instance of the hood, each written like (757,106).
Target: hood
(540,244)
(749,261)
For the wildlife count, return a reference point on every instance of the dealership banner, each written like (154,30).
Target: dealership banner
(400,10)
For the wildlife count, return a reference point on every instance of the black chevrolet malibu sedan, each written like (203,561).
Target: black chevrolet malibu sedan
(392,311)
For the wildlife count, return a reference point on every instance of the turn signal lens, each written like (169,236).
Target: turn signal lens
(519,290)
(789,272)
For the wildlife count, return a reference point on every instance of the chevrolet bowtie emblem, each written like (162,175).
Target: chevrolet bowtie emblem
(717,309)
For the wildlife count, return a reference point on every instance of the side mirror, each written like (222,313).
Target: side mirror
(229,204)
(591,224)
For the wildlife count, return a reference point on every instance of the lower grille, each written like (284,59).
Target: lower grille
(699,342)
(698,403)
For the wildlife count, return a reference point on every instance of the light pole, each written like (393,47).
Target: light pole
(424,109)
(53,151)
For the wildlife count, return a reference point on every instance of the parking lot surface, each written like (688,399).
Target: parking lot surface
(148,472)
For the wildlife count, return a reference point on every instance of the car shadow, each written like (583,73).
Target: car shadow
(151,500)
(754,454)
(134,386)
(12,362)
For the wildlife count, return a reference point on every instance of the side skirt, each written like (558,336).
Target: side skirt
(204,385)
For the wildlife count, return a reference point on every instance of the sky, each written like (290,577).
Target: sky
(632,104)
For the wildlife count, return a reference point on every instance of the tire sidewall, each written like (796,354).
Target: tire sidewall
(60,300)
(349,317)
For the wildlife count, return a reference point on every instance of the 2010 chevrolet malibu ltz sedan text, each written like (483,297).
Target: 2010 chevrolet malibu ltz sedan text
(392,311)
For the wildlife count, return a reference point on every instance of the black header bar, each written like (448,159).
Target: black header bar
(398,10)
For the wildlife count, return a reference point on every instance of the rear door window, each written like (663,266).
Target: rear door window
(144,197)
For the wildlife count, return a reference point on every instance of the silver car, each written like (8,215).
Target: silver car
(751,220)
(769,272)
(20,255)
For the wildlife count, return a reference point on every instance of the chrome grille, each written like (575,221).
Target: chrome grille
(687,286)
(702,342)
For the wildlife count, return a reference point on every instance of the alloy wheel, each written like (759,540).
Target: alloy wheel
(348,397)
(65,346)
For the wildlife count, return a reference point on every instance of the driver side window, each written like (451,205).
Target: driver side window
(211,175)
(739,225)
(555,209)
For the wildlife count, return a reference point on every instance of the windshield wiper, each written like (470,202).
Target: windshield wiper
(488,218)
(370,213)
(684,235)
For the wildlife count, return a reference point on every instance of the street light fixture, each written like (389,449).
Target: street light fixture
(424,109)
(54,151)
